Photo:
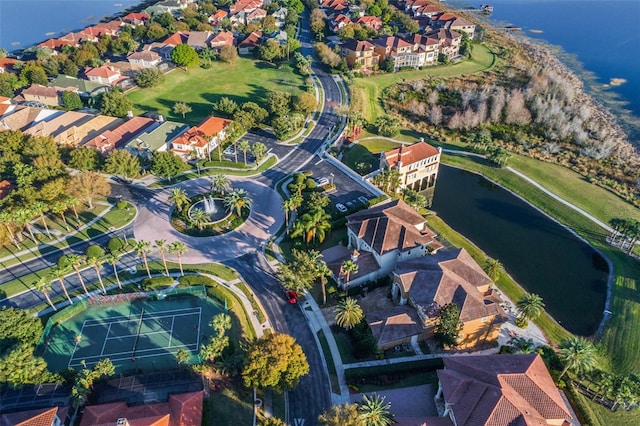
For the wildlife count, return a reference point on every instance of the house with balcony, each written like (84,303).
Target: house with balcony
(452,22)
(117,138)
(429,46)
(105,74)
(448,42)
(450,276)
(360,54)
(401,52)
(223,38)
(379,237)
(201,140)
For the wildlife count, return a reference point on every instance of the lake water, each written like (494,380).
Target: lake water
(602,35)
(539,254)
(27,22)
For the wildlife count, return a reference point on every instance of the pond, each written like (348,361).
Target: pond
(537,252)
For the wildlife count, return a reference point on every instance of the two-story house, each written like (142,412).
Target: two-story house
(144,59)
(400,51)
(104,74)
(450,276)
(118,137)
(157,139)
(223,38)
(452,22)
(201,140)
(359,54)
(417,165)
(379,237)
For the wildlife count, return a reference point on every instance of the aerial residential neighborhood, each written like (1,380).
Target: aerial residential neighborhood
(303,212)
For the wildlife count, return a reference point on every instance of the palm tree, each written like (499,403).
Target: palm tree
(414,199)
(7,218)
(522,345)
(493,267)
(237,199)
(578,355)
(40,208)
(530,306)
(244,147)
(323,272)
(220,183)
(348,313)
(178,248)
(142,247)
(59,274)
(199,218)
(43,285)
(179,197)
(75,260)
(97,263)
(313,224)
(113,258)
(374,411)
(59,208)
(287,206)
(24,216)
(348,267)
(161,246)
(73,203)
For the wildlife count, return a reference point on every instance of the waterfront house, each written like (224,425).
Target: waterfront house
(136,19)
(379,237)
(116,138)
(105,74)
(448,42)
(155,140)
(417,165)
(7,64)
(509,389)
(401,52)
(201,140)
(360,54)
(451,22)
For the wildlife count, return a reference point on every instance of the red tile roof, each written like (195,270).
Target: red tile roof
(38,417)
(8,63)
(40,91)
(200,135)
(54,43)
(501,390)
(252,40)
(180,410)
(392,226)
(410,154)
(222,38)
(103,71)
(5,188)
(136,17)
(112,139)
(175,39)
(220,14)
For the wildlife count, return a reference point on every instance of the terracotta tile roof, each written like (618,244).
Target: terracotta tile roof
(175,39)
(450,276)
(252,40)
(103,71)
(416,3)
(392,226)
(220,14)
(180,410)
(410,154)
(199,136)
(357,45)
(38,417)
(213,125)
(96,31)
(341,19)
(80,133)
(501,390)
(429,9)
(55,44)
(392,42)
(222,38)
(113,26)
(391,325)
(112,139)
(245,5)
(5,188)
(370,21)
(8,63)
(38,90)
(256,14)
(136,17)
(144,55)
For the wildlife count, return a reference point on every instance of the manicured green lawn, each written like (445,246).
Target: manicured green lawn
(482,59)
(244,80)
(366,151)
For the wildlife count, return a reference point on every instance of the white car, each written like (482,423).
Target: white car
(322,181)
(341,207)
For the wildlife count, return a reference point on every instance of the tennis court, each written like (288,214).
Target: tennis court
(138,335)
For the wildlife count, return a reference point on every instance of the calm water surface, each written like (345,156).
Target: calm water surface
(538,253)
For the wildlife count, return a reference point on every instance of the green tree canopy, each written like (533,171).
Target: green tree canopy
(341,415)
(300,272)
(167,165)
(148,77)
(276,361)
(578,355)
(17,326)
(305,103)
(348,313)
(115,104)
(448,328)
(71,101)
(85,158)
(278,103)
(121,162)
(185,55)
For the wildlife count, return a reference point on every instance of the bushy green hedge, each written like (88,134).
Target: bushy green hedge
(94,251)
(353,374)
(378,199)
(115,244)
(151,283)
(214,289)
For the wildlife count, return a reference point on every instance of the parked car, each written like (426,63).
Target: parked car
(341,207)
(322,181)
(292,296)
(363,199)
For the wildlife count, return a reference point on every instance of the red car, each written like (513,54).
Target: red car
(292,296)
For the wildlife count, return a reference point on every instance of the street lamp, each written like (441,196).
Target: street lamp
(332,178)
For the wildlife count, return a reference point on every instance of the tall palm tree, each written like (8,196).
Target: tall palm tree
(75,260)
(24,216)
(39,209)
(179,197)
(73,203)
(59,274)
(578,355)
(287,206)
(161,246)
(220,183)
(237,200)
(199,218)
(60,208)
(313,224)
(323,272)
(142,247)
(97,263)
(530,306)
(374,411)
(113,259)
(43,285)
(178,248)
(348,267)
(348,313)
(522,345)
(7,218)
(244,147)
(493,267)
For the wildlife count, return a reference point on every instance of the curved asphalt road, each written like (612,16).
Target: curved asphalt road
(237,249)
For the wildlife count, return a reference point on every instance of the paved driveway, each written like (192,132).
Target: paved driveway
(415,401)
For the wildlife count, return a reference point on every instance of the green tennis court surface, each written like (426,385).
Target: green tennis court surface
(139,335)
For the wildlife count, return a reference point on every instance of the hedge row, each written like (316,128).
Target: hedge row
(420,366)
(214,289)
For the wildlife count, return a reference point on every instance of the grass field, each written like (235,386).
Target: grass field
(482,59)
(244,80)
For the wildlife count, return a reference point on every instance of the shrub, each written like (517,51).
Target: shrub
(522,322)
(94,251)
(214,290)
(311,184)
(116,244)
(63,262)
(121,204)
(150,283)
